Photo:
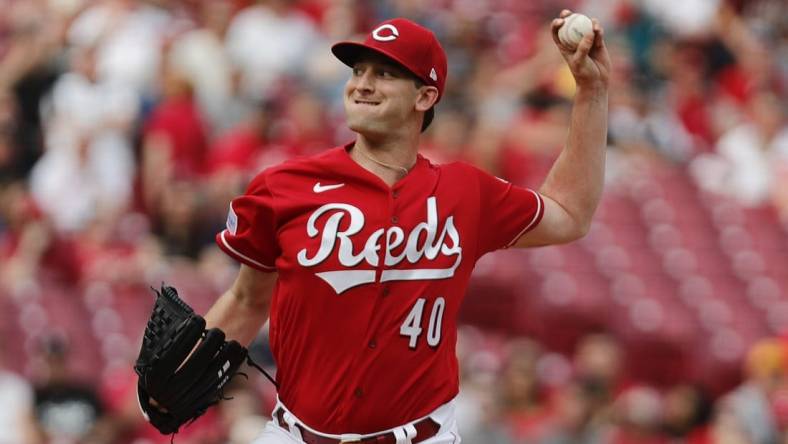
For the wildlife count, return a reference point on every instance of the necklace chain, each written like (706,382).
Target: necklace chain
(387,165)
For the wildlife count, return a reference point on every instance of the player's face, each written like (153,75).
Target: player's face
(379,96)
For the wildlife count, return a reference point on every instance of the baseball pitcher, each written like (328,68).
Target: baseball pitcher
(359,257)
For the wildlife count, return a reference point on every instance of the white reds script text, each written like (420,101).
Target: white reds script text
(424,241)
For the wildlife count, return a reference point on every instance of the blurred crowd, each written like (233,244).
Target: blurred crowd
(515,391)
(126,126)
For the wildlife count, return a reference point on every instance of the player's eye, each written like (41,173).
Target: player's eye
(387,73)
(357,71)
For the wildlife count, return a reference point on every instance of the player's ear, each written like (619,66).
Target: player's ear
(427,97)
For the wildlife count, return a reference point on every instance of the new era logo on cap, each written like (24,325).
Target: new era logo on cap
(407,43)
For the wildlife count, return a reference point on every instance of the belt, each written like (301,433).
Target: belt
(425,429)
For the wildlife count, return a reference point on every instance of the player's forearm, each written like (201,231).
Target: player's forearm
(238,318)
(244,308)
(577,177)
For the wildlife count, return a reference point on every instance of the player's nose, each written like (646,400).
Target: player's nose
(365,81)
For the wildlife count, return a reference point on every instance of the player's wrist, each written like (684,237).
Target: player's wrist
(592,89)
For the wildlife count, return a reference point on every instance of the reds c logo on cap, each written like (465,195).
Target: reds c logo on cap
(377,34)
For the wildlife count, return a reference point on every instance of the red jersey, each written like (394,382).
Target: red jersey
(371,277)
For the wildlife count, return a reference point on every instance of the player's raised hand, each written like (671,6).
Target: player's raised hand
(589,61)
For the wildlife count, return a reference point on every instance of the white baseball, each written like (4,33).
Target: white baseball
(575,27)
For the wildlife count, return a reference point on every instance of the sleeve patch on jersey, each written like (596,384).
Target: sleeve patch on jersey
(232,221)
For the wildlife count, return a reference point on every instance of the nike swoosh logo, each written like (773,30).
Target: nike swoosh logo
(322,188)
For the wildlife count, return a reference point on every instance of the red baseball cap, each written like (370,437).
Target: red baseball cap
(407,43)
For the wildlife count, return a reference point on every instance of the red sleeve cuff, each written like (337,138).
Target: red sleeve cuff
(533,222)
(224,245)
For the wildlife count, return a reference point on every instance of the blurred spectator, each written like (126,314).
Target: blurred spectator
(479,403)
(177,222)
(83,101)
(748,153)
(200,55)
(127,36)
(686,18)
(30,249)
(174,144)
(584,408)
(447,140)
(534,139)
(687,413)
(241,418)
(598,361)
(638,416)
(668,117)
(483,424)
(29,56)
(575,421)
(750,405)
(88,167)
(65,410)
(83,179)
(523,398)
(726,429)
(304,129)
(341,20)
(237,155)
(24,239)
(11,151)
(255,44)
(16,399)
(241,148)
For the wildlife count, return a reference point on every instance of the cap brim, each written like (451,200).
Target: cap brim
(349,52)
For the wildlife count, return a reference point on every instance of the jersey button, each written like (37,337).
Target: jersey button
(358,392)
(394,219)
(373,343)
(395,194)
(386,291)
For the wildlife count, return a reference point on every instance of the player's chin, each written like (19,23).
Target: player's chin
(363,126)
(359,120)
(359,126)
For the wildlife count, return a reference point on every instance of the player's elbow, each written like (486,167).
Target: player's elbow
(582,229)
(571,233)
(573,228)
(575,224)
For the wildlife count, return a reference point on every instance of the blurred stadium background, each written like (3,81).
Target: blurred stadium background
(127,125)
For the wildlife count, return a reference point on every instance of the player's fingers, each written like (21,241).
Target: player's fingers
(585,44)
(554,27)
(599,50)
(599,33)
(564,13)
(556,24)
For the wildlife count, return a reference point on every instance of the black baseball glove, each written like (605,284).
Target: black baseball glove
(182,389)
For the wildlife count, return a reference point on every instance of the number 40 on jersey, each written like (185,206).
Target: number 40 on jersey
(412,327)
